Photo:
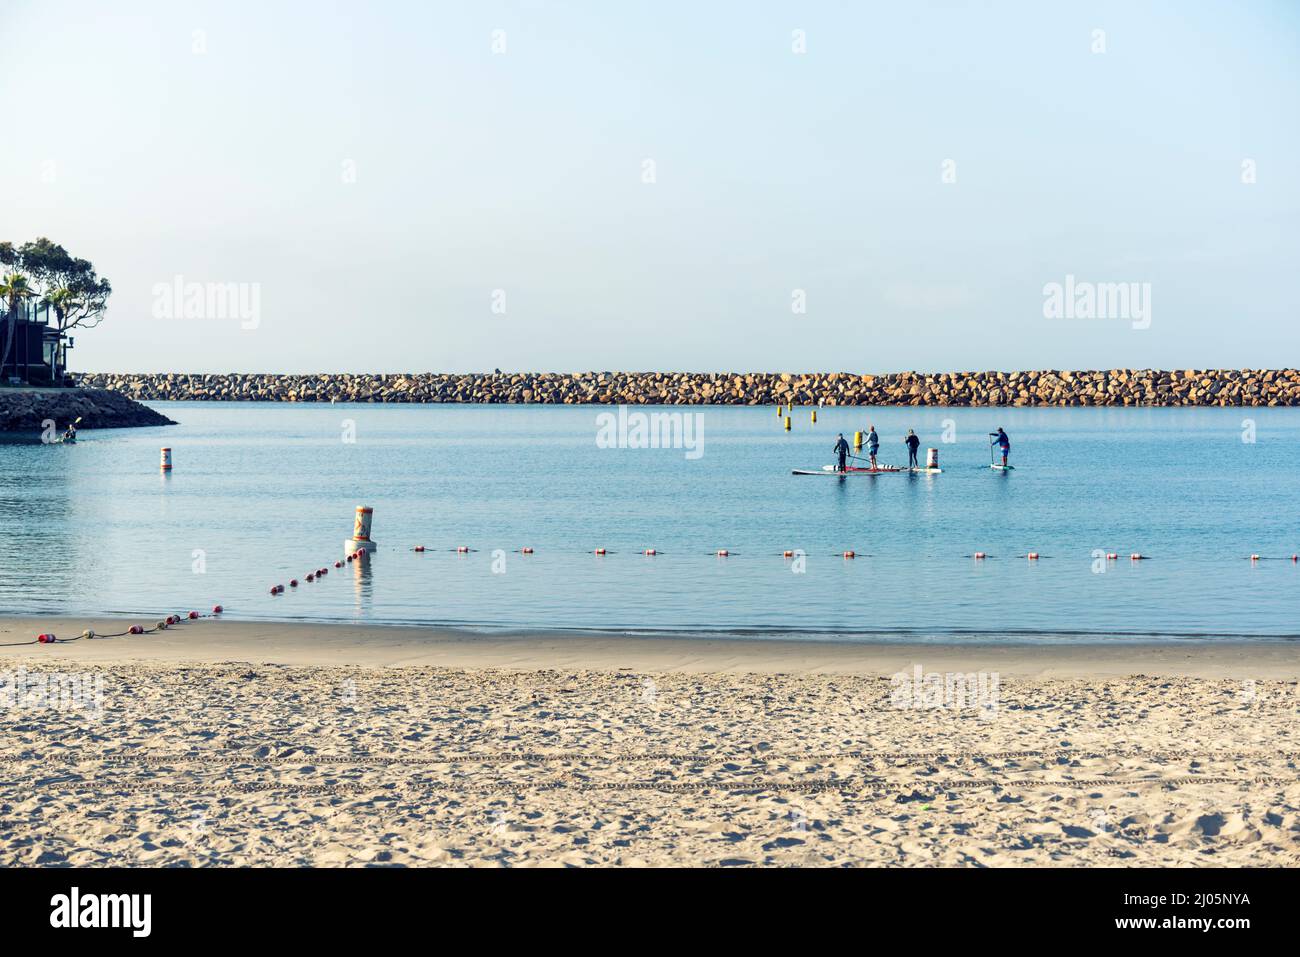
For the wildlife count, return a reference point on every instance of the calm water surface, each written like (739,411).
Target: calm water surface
(265,492)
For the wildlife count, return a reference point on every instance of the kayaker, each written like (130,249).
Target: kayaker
(873,444)
(913,442)
(70,434)
(842,448)
(1003,442)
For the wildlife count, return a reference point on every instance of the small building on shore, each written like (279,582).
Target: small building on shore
(32,350)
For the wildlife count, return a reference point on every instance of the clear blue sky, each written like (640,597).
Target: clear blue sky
(522,171)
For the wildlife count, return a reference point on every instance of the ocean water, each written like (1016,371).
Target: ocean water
(261,493)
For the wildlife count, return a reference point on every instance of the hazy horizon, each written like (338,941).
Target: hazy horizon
(661,187)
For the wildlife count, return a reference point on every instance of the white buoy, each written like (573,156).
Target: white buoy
(361,532)
(166,463)
(932,458)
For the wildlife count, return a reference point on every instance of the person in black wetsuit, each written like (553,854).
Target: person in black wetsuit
(842,449)
(913,442)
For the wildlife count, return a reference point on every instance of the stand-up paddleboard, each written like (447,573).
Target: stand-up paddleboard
(1003,468)
(925,470)
(832,470)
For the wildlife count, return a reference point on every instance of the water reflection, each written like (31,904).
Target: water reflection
(362,584)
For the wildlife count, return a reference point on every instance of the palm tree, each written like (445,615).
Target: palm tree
(65,301)
(14,290)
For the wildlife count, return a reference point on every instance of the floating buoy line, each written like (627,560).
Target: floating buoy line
(359,547)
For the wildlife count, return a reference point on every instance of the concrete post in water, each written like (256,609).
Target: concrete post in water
(166,463)
(360,539)
(932,458)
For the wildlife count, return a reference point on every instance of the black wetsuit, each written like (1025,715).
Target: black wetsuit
(913,443)
(842,448)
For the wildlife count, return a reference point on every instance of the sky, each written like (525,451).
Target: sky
(679,186)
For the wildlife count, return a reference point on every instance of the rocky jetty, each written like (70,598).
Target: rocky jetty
(1112,387)
(28,410)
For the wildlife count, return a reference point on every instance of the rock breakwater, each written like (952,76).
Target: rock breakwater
(33,410)
(1109,387)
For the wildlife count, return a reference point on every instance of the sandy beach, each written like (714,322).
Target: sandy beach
(235,743)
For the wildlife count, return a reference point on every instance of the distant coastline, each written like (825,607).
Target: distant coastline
(1111,387)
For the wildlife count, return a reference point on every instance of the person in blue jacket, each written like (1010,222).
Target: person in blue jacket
(1003,442)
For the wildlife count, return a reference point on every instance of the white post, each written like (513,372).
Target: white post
(361,532)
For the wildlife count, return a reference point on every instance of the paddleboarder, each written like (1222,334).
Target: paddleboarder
(913,442)
(1003,443)
(873,444)
(842,448)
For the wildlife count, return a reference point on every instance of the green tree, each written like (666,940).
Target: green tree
(68,285)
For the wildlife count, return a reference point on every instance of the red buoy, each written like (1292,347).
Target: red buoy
(338,564)
(462,549)
(981,555)
(526,550)
(419,548)
(1032,556)
(787,554)
(293,583)
(1136,557)
(650,551)
(1112,556)
(46,639)
(723,553)
(135,630)
(850,554)
(600,551)
(217,609)
(192,615)
(1254,558)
